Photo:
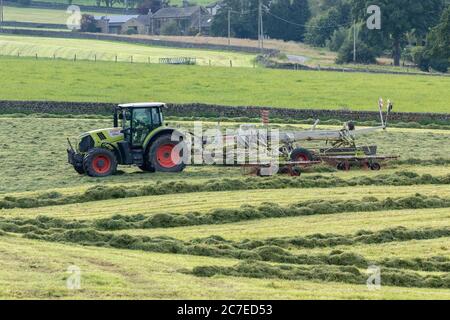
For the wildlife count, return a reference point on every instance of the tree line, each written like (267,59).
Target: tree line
(416,31)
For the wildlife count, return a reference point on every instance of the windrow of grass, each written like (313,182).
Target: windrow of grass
(221,215)
(264,251)
(268,249)
(103,192)
(423,124)
(347,274)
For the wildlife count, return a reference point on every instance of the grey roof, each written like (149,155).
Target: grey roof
(211,5)
(117,19)
(176,12)
(142,105)
(144,19)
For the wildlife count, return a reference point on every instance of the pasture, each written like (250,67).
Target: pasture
(38,15)
(61,48)
(213,233)
(28,79)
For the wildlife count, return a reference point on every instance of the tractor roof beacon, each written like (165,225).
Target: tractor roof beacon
(138,137)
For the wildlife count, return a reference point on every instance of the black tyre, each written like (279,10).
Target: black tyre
(79,169)
(163,157)
(100,162)
(375,166)
(296,172)
(147,167)
(301,154)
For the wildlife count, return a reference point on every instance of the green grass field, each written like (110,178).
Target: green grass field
(61,48)
(38,15)
(27,79)
(323,254)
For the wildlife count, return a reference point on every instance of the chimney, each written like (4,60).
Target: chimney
(185,3)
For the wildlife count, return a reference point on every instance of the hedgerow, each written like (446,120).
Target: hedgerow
(102,192)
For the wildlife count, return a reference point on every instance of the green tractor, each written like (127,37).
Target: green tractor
(138,137)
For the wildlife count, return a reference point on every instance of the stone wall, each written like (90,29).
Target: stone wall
(218,111)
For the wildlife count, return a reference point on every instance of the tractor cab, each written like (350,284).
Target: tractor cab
(138,137)
(137,120)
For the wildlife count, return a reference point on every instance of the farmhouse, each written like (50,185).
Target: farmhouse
(124,24)
(179,20)
(188,19)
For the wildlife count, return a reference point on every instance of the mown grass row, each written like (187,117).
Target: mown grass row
(347,274)
(424,124)
(102,192)
(217,247)
(270,249)
(220,216)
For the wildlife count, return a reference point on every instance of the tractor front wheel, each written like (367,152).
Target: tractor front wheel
(164,157)
(100,162)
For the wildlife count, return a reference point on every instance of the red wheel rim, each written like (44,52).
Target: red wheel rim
(101,164)
(166,157)
(301,157)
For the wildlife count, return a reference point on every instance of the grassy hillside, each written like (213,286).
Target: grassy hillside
(27,79)
(214,233)
(106,50)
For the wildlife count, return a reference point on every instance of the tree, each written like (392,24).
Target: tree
(438,41)
(87,23)
(365,54)
(280,11)
(143,6)
(244,18)
(400,17)
(436,54)
(321,28)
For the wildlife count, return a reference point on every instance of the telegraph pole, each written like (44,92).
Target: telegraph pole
(229,26)
(262,28)
(1,14)
(354,41)
(200,20)
(259,24)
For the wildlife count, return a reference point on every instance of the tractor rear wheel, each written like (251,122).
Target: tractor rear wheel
(163,157)
(100,162)
(301,154)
